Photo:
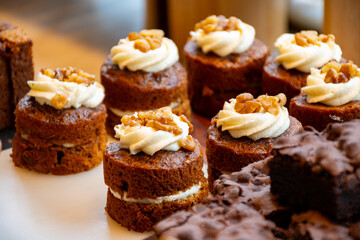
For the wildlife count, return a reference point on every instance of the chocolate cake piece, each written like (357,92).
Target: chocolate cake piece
(252,186)
(216,218)
(16,68)
(312,225)
(312,170)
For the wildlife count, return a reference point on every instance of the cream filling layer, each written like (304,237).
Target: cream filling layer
(121,113)
(180,195)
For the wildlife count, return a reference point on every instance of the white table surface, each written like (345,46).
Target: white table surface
(43,206)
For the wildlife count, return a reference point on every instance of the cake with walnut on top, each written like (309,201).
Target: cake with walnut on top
(244,132)
(60,123)
(154,169)
(223,58)
(143,73)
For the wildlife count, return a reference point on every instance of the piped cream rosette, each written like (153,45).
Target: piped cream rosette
(223,36)
(264,117)
(334,85)
(148,51)
(65,88)
(306,50)
(153,131)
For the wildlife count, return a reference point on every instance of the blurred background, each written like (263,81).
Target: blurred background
(80,33)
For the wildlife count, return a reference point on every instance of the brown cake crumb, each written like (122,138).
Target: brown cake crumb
(245,103)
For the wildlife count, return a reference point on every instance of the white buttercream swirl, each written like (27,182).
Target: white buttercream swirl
(252,125)
(44,89)
(148,140)
(224,43)
(125,55)
(293,56)
(332,94)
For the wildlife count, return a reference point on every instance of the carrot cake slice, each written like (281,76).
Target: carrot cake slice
(154,169)
(60,123)
(143,73)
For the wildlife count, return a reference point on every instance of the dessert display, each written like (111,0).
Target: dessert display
(223,58)
(60,123)
(16,68)
(244,132)
(331,94)
(298,53)
(155,169)
(143,73)
(319,171)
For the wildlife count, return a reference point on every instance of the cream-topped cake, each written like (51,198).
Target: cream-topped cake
(297,54)
(244,131)
(155,169)
(60,123)
(223,58)
(331,94)
(142,73)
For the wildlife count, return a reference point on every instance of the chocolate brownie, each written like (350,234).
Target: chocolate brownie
(216,218)
(312,225)
(226,154)
(251,186)
(214,80)
(319,115)
(312,170)
(16,68)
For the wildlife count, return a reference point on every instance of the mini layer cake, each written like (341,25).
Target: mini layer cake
(16,68)
(154,170)
(216,218)
(248,129)
(251,186)
(331,94)
(223,59)
(298,53)
(143,73)
(313,170)
(60,123)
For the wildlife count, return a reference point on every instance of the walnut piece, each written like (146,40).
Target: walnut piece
(307,38)
(339,73)
(245,103)
(187,143)
(147,39)
(69,74)
(160,119)
(218,23)
(59,101)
